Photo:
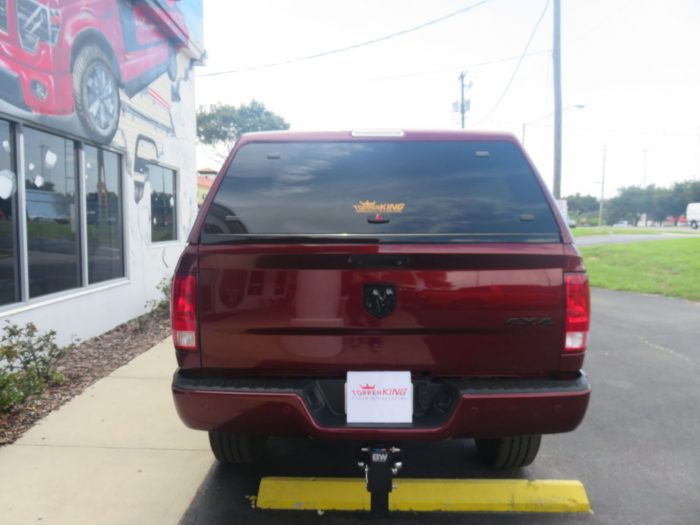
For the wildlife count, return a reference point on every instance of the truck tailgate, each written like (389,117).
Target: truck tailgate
(460,310)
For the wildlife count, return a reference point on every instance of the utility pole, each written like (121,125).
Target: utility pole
(602,190)
(463,104)
(556,70)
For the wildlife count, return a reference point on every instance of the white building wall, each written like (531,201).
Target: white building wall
(91,310)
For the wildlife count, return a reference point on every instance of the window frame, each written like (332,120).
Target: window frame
(16,214)
(176,215)
(76,199)
(83,220)
(25,302)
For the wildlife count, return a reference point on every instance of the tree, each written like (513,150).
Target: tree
(682,194)
(582,203)
(220,125)
(629,205)
(657,203)
(661,204)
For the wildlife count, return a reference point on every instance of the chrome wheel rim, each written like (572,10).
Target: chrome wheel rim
(101,96)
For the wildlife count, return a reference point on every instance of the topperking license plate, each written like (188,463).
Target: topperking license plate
(379,397)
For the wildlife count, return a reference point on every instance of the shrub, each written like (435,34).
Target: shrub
(161,307)
(28,361)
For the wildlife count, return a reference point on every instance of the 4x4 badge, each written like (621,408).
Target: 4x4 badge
(380,299)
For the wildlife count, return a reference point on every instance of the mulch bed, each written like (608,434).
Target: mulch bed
(91,360)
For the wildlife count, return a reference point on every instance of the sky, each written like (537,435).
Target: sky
(632,64)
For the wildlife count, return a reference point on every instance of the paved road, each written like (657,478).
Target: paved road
(637,452)
(592,240)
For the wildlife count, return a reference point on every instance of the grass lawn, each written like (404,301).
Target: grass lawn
(586,231)
(659,267)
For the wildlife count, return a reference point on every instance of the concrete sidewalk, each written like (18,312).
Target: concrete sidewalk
(117,453)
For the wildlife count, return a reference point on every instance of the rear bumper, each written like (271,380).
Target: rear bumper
(445,409)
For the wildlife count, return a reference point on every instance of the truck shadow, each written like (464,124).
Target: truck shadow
(227,493)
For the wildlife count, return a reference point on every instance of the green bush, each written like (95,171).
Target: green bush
(161,307)
(28,361)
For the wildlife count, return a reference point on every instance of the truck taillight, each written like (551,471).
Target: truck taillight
(184,312)
(578,312)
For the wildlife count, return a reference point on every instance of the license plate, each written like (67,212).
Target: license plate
(379,397)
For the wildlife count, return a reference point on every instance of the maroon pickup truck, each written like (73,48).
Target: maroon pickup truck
(380,287)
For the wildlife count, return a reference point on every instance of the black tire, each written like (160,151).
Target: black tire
(508,452)
(96,94)
(694,225)
(235,449)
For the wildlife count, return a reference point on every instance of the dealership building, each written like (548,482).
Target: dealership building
(98,182)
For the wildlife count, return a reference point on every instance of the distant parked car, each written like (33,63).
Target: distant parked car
(692,215)
(572,222)
(621,224)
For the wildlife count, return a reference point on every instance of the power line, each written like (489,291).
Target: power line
(670,133)
(350,47)
(617,131)
(517,66)
(459,68)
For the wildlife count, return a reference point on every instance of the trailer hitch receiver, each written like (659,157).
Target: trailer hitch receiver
(380,463)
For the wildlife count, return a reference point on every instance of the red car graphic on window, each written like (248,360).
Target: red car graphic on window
(59,57)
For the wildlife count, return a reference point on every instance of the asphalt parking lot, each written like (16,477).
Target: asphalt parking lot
(636,452)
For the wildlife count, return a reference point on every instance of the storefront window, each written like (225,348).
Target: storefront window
(103,195)
(9,271)
(52,213)
(163,204)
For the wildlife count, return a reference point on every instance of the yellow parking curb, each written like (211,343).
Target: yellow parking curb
(426,495)
(489,495)
(313,494)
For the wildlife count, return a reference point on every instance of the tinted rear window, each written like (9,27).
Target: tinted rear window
(383,189)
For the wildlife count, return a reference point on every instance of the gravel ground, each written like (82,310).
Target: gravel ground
(91,360)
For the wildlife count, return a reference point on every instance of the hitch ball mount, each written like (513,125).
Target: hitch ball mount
(380,463)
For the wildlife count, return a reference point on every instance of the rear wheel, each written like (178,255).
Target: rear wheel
(96,94)
(694,225)
(233,448)
(508,452)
